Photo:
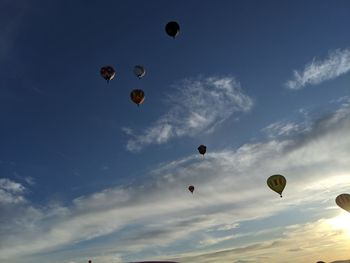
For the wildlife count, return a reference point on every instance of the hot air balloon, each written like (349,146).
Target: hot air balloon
(202,149)
(343,201)
(277,183)
(139,71)
(137,96)
(191,188)
(172,29)
(107,72)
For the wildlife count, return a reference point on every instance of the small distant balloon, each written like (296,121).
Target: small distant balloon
(343,201)
(137,96)
(172,28)
(202,149)
(139,71)
(191,188)
(277,183)
(107,72)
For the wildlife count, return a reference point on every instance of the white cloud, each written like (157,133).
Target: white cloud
(213,241)
(29,180)
(228,227)
(337,63)
(8,185)
(281,128)
(11,192)
(195,106)
(230,189)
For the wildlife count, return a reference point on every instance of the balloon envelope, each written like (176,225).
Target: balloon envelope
(343,201)
(139,71)
(137,96)
(202,149)
(172,29)
(107,72)
(277,183)
(191,188)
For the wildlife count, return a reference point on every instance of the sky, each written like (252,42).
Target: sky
(85,174)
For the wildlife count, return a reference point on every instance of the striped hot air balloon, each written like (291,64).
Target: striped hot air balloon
(277,183)
(343,201)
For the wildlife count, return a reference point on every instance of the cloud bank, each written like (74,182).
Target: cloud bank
(298,243)
(161,220)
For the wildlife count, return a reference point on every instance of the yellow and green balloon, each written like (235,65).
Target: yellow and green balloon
(277,183)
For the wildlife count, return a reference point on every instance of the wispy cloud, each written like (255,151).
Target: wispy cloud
(337,63)
(161,214)
(11,192)
(281,128)
(195,106)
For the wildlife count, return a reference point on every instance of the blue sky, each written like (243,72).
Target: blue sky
(86,174)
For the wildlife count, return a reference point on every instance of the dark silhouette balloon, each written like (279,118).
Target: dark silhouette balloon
(107,72)
(139,71)
(191,188)
(137,96)
(277,183)
(172,29)
(343,201)
(202,149)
